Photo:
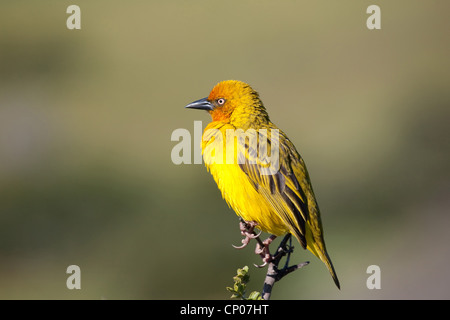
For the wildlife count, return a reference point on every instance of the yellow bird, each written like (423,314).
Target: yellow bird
(275,197)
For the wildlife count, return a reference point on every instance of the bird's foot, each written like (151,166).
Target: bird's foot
(247,230)
(262,248)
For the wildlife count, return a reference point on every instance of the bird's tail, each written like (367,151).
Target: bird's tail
(322,254)
(326,259)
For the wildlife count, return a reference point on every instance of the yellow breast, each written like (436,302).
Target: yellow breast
(240,194)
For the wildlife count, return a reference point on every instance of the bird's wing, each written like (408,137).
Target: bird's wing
(282,189)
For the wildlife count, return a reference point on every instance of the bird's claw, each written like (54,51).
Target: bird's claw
(245,242)
(247,231)
(262,247)
(263,251)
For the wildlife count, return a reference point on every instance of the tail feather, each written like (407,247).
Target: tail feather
(326,259)
(323,255)
(317,247)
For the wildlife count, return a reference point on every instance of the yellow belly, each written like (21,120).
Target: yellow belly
(243,198)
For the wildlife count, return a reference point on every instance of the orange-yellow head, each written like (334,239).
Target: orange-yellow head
(234,102)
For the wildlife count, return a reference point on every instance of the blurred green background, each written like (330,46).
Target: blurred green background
(86,118)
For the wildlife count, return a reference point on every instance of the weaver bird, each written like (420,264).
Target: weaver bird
(277,201)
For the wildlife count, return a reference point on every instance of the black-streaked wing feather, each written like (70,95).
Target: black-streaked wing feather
(281,189)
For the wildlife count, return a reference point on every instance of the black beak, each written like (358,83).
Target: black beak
(202,104)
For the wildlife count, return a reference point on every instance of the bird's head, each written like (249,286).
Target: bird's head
(232,101)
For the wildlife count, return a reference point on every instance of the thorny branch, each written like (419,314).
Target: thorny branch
(275,274)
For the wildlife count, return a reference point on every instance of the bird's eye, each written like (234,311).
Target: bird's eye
(220,101)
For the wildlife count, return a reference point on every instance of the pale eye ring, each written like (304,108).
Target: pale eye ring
(220,101)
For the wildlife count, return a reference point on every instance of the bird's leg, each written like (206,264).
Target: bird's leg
(284,248)
(263,250)
(247,228)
